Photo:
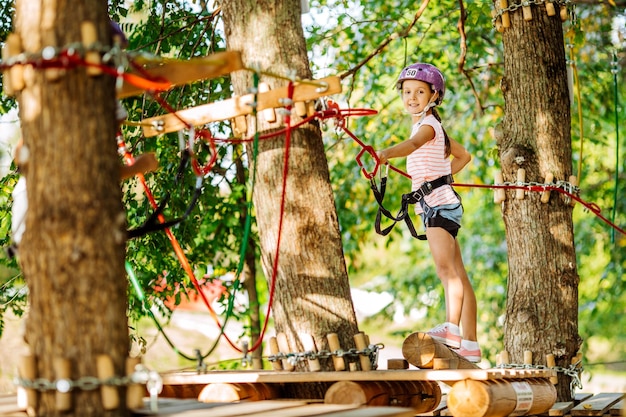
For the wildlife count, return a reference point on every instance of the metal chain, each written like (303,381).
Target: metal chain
(142,375)
(573,371)
(564,185)
(294,357)
(525,3)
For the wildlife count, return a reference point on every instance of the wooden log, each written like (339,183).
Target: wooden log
(283,346)
(232,392)
(545,195)
(62,370)
(27,398)
(276,365)
(89,38)
(422,396)
(397,364)
(500,193)
(499,398)
(551,363)
(333,343)
(109,395)
(269,115)
(361,344)
(420,350)
(309,346)
(134,392)
(521,177)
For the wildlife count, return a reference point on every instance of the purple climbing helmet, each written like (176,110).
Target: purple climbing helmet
(427,73)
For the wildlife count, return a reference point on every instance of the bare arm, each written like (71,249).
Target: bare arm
(460,156)
(423,135)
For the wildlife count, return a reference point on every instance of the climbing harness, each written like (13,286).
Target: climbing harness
(408,199)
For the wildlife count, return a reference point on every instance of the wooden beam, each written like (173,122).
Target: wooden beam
(178,72)
(332,376)
(238,106)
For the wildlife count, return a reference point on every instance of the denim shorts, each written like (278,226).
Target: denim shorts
(453,212)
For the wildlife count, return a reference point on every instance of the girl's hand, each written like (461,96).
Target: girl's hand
(382,158)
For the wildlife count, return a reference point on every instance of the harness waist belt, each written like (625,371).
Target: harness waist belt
(427,188)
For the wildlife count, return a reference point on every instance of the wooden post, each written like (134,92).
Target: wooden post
(109,394)
(27,398)
(89,38)
(269,115)
(499,194)
(361,344)
(283,346)
(16,72)
(276,365)
(499,398)
(551,363)
(521,177)
(506,19)
(333,343)
(420,349)
(309,346)
(62,370)
(528,357)
(545,195)
(134,392)
(504,357)
(527,13)
(498,20)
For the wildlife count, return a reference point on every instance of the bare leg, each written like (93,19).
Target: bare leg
(469,310)
(444,251)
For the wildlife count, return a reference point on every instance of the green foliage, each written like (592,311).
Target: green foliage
(343,44)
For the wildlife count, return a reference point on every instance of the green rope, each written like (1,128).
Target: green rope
(244,247)
(614,70)
(144,304)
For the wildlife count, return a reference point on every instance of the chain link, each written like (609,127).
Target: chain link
(563,185)
(573,371)
(142,375)
(525,3)
(294,357)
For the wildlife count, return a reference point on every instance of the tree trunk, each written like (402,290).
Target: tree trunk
(542,307)
(72,253)
(312,288)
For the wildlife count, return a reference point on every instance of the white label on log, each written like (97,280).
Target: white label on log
(524,397)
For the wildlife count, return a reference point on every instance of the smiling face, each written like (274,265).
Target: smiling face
(416,95)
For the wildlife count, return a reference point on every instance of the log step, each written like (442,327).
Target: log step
(422,396)
(421,350)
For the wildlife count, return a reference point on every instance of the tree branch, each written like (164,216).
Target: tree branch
(383,45)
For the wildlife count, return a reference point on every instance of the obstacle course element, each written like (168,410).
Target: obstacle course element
(235,107)
(422,351)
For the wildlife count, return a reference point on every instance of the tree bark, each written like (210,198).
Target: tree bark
(72,253)
(542,298)
(312,288)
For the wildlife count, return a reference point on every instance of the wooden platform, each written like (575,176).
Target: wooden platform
(447,375)
(274,408)
(604,404)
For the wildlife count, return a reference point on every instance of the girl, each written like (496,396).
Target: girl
(428,152)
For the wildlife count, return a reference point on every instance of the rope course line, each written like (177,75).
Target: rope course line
(75,55)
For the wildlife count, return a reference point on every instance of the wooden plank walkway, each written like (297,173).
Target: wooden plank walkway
(604,404)
(168,407)
(278,377)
